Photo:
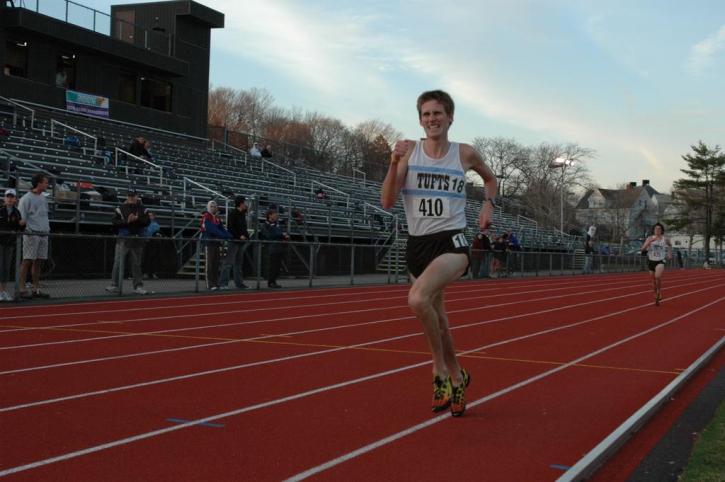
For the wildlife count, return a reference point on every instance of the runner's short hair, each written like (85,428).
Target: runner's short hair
(442,97)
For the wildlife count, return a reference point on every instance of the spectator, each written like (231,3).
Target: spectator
(147,147)
(213,233)
(679,259)
(129,220)
(591,232)
(139,147)
(152,250)
(254,151)
(234,260)
(604,250)
(481,254)
(298,216)
(588,256)
(9,221)
(33,209)
(500,251)
(320,194)
(514,242)
(267,152)
(273,231)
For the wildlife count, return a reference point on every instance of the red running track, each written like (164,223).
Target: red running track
(335,383)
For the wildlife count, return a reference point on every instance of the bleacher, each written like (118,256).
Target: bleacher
(188,171)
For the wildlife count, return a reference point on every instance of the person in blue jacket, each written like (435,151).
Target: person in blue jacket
(213,233)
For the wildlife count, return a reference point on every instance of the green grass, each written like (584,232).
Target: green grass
(707,462)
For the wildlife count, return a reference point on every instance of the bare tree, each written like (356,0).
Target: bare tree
(507,159)
(250,108)
(221,102)
(546,187)
(328,141)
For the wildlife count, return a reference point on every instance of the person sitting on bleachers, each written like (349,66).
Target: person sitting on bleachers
(138,148)
(320,194)
(255,152)
(267,152)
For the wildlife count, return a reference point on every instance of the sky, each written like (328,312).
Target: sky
(638,81)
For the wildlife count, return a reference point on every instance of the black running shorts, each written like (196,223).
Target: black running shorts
(653,264)
(422,250)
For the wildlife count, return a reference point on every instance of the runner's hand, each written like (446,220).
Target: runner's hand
(399,151)
(485,216)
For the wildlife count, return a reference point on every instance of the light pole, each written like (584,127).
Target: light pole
(561,162)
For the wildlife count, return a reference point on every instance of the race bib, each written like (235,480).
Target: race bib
(431,207)
(459,240)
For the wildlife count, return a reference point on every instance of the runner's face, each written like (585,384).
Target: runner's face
(658,231)
(433,119)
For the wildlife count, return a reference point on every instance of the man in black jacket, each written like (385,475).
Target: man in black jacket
(129,221)
(9,221)
(234,260)
(273,231)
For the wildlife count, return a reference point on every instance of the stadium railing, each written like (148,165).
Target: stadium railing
(80,266)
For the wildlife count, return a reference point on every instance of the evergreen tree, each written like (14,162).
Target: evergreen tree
(700,191)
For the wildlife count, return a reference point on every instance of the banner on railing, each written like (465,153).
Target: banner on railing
(86,103)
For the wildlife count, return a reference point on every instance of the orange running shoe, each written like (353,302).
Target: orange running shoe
(458,398)
(441,393)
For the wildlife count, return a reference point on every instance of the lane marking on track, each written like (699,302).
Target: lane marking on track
(333,350)
(476,287)
(416,428)
(546,288)
(205,345)
(581,365)
(205,424)
(344,291)
(361,450)
(353,325)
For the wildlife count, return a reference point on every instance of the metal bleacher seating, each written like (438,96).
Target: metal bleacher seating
(188,171)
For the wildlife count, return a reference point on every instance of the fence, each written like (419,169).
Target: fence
(91,266)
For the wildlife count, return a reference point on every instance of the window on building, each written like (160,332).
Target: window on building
(156,94)
(123,25)
(65,70)
(127,87)
(16,58)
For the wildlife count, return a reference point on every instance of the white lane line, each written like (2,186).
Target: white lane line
(501,285)
(416,428)
(314,330)
(332,350)
(362,291)
(340,291)
(402,295)
(357,452)
(319,315)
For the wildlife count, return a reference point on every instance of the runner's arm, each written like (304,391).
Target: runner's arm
(397,170)
(473,160)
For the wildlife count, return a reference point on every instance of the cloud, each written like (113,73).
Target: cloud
(703,53)
(325,50)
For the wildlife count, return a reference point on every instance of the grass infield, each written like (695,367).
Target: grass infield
(707,463)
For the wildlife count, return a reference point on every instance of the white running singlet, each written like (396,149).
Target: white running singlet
(434,192)
(657,249)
